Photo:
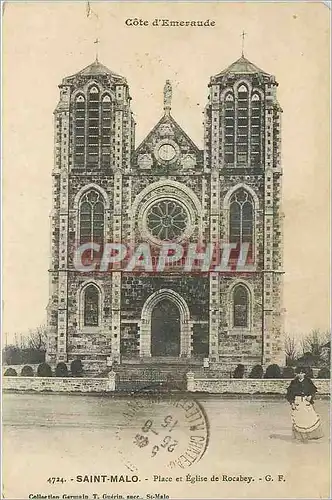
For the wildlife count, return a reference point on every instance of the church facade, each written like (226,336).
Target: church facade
(166,191)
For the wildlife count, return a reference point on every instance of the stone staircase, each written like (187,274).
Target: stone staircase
(162,374)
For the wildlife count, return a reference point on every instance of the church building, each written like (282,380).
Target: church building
(107,189)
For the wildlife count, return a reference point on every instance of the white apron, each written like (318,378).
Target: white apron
(306,422)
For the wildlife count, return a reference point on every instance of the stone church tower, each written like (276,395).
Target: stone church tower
(167,190)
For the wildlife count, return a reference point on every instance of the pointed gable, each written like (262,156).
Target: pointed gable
(167,145)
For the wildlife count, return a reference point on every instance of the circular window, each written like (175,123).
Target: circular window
(167,152)
(167,220)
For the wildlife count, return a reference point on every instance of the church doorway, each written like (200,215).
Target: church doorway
(165,329)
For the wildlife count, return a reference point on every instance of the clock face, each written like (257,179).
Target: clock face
(167,152)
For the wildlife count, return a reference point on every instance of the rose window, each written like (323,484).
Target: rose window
(167,220)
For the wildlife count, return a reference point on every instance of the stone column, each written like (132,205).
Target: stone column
(191,382)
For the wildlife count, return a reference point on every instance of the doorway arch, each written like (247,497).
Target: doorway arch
(163,296)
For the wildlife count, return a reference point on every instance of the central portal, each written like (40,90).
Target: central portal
(165,329)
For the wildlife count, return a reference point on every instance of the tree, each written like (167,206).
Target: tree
(12,355)
(76,368)
(27,371)
(10,372)
(256,372)
(44,370)
(313,343)
(273,371)
(61,370)
(239,371)
(291,350)
(27,348)
(37,338)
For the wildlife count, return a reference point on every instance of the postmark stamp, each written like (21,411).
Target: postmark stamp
(165,430)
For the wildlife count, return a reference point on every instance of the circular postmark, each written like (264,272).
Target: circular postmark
(162,430)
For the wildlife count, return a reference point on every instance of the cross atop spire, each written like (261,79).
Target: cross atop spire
(97,41)
(167,97)
(243,35)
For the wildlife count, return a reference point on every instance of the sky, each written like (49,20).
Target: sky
(45,41)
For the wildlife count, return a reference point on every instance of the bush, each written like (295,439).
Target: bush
(308,371)
(288,372)
(44,370)
(76,368)
(238,372)
(324,373)
(61,370)
(27,371)
(256,372)
(273,371)
(10,372)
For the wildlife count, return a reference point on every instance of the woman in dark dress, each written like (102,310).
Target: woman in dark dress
(300,395)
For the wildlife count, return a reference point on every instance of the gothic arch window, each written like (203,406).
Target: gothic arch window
(255,132)
(79,131)
(93,127)
(91,306)
(91,218)
(240,298)
(242,125)
(106,130)
(241,219)
(229,130)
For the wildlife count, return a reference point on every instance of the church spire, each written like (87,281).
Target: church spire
(167,97)
(96,42)
(243,35)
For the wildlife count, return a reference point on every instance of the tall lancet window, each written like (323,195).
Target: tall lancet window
(255,132)
(93,127)
(241,219)
(106,131)
(240,307)
(91,306)
(229,130)
(92,218)
(242,126)
(79,131)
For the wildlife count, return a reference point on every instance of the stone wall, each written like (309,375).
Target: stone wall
(208,385)
(57,384)
(247,386)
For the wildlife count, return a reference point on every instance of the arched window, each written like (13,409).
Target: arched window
(91,306)
(93,127)
(106,131)
(79,131)
(229,130)
(240,306)
(242,126)
(91,223)
(241,218)
(255,132)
